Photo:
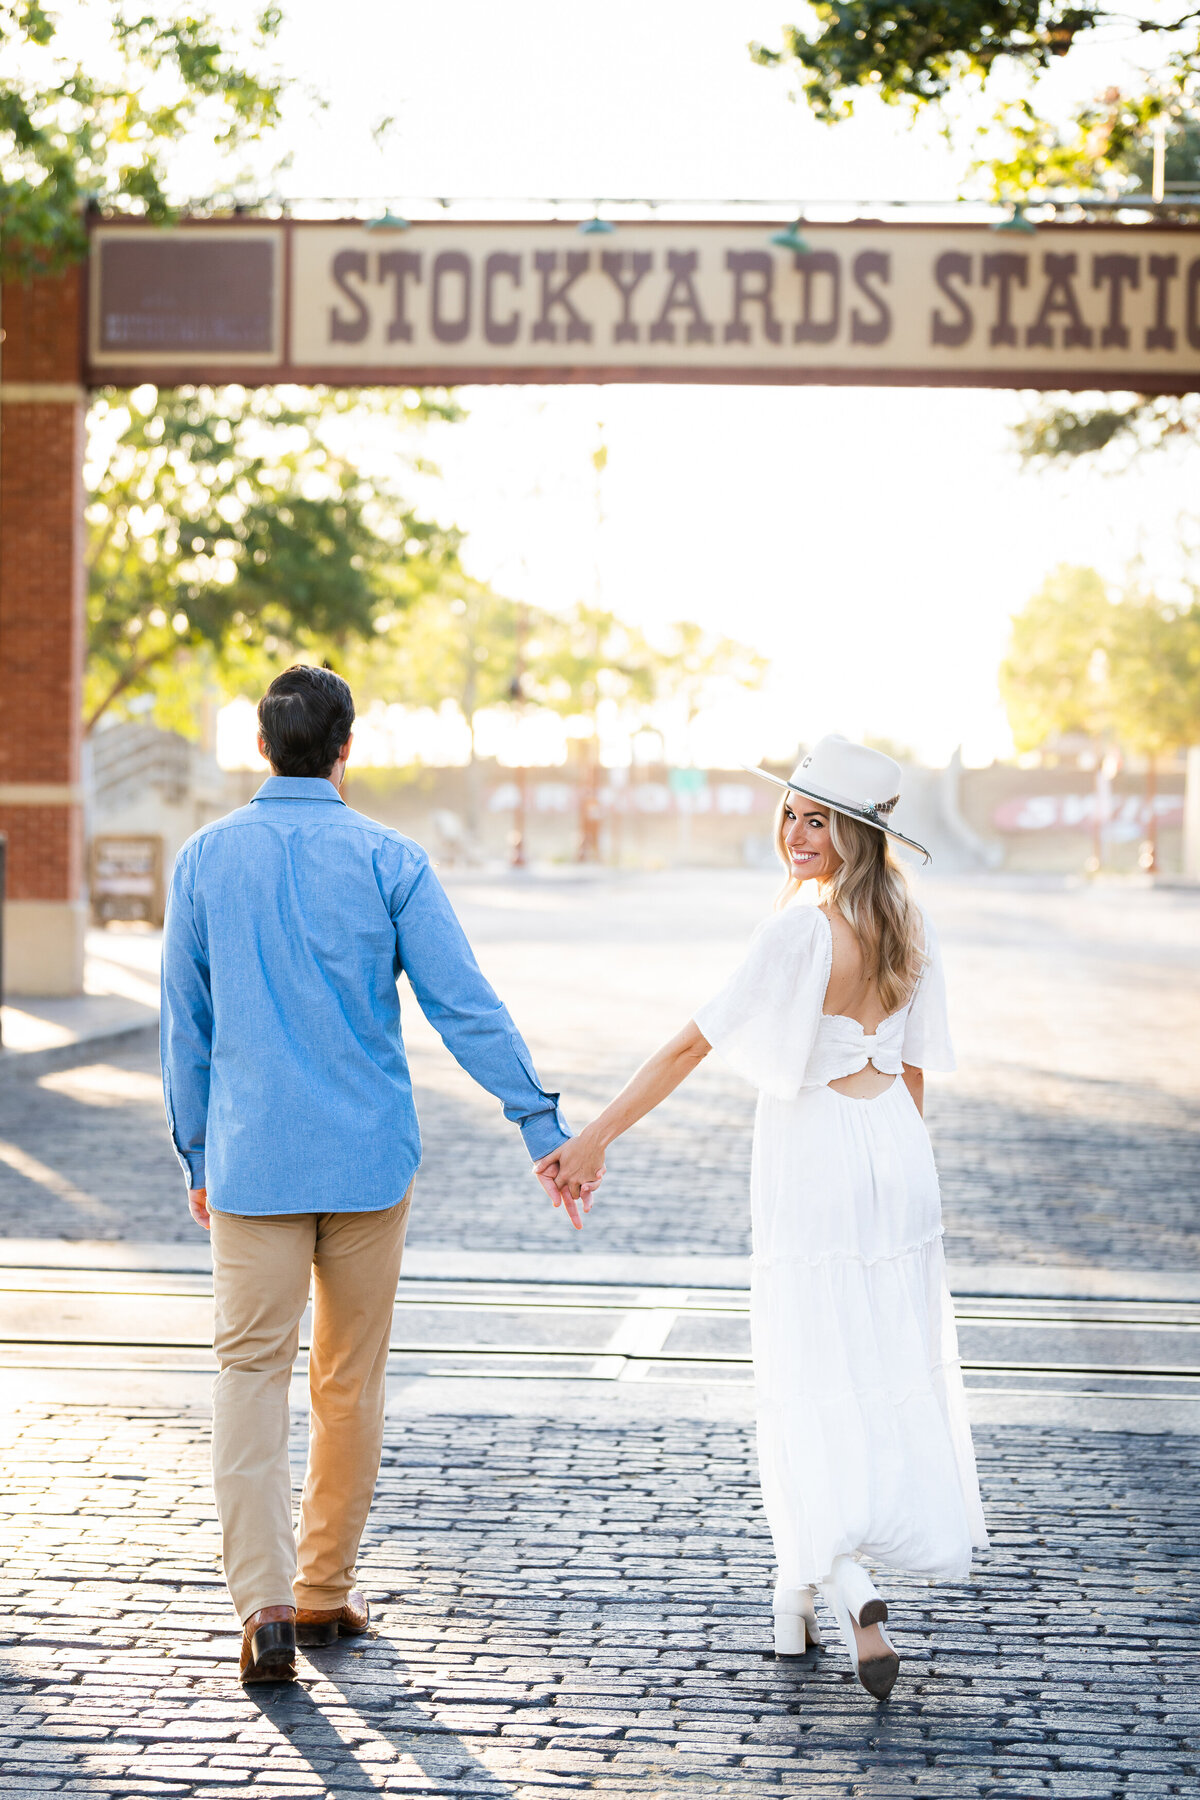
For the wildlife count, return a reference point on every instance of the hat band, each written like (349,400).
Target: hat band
(869,809)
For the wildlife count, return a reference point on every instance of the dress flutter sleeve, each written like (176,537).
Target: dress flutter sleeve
(927,1028)
(764,1020)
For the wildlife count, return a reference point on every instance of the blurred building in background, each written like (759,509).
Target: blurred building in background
(147,790)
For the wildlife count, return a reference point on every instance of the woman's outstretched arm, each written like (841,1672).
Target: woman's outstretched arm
(582,1160)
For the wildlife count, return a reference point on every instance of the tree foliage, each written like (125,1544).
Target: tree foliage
(1154,673)
(696,666)
(78,133)
(226,523)
(1119,670)
(1054,678)
(577,661)
(917,54)
(584,657)
(1062,427)
(462,643)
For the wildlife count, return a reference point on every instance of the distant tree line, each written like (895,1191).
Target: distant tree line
(1118,670)
(230,532)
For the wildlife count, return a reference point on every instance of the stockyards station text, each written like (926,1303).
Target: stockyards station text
(1071,305)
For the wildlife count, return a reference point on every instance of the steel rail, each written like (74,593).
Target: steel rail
(1182,1315)
(589,1353)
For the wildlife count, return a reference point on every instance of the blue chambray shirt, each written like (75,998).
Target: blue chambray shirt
(284,1074)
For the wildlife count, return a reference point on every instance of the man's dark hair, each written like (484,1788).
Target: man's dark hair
(305,717)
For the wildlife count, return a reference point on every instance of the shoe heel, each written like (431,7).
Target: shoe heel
(879,1675)
(858,1592)
(311,1636)
(799,1600)
(791,1638)
(273,1651)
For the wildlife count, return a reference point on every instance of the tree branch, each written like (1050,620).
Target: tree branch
(1146,25)
(137,668)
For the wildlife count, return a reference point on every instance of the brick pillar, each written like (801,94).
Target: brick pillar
(42,631)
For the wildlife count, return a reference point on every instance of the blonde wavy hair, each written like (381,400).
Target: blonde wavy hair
(871,892)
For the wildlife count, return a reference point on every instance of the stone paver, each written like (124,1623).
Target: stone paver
(1070,1134)
(570,1603)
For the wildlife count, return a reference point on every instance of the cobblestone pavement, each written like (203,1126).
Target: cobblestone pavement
(1071,1133)
(573,1605)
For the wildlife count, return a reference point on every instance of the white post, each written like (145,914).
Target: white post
(1191,816)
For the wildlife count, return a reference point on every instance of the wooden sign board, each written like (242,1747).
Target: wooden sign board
(126,877)
(1078,306)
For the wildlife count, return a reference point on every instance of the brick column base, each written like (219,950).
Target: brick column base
(43,947)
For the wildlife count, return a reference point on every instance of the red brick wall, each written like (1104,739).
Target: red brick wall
(43,328)
(41,584)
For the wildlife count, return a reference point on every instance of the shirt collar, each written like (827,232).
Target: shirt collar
(298,787)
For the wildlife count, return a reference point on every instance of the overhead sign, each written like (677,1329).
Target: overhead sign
(886,304)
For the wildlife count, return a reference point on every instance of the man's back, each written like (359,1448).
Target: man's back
(285,1078)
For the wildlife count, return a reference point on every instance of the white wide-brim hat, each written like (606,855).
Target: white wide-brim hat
(851,779)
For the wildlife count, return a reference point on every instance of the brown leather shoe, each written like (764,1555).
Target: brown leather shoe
(269,1646)
(321,1627)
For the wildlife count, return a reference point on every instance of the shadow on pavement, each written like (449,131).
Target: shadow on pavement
(332,1746)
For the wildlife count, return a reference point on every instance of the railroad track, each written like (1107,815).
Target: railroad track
(161,1320)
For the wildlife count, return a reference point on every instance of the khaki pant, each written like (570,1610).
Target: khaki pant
(261,1272)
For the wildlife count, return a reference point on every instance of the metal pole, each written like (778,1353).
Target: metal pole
(1148,853)
(1158,178)
(1191,816)
(517,852)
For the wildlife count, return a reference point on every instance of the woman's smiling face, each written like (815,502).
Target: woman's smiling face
(810,850)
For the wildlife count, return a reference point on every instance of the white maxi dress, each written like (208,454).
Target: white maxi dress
(864,1445)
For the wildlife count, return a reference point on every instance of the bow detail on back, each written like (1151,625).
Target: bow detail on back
(842,1047)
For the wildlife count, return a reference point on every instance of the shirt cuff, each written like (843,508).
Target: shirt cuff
(193,1168)
(544,1132)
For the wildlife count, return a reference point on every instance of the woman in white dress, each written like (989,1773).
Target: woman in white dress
(839,1006)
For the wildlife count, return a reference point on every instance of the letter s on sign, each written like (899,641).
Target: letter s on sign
(952,264)
(868,265)
(349,331)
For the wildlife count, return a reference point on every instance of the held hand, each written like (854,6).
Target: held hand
(580,1166)
(547,1171)
(545,1174)
(198,1206)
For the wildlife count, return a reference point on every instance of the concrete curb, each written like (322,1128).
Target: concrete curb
(17,1064)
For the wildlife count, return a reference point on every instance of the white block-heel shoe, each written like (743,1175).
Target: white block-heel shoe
(855,1600)
(795,1621)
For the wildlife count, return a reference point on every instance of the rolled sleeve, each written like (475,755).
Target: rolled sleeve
(546,1131)
(186,1026)
(464,1010)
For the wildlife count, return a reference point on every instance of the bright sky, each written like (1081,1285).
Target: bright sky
(873,543)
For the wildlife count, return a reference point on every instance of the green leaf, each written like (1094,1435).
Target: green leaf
(69,141)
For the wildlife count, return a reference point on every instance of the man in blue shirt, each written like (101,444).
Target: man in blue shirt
(290,1105)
